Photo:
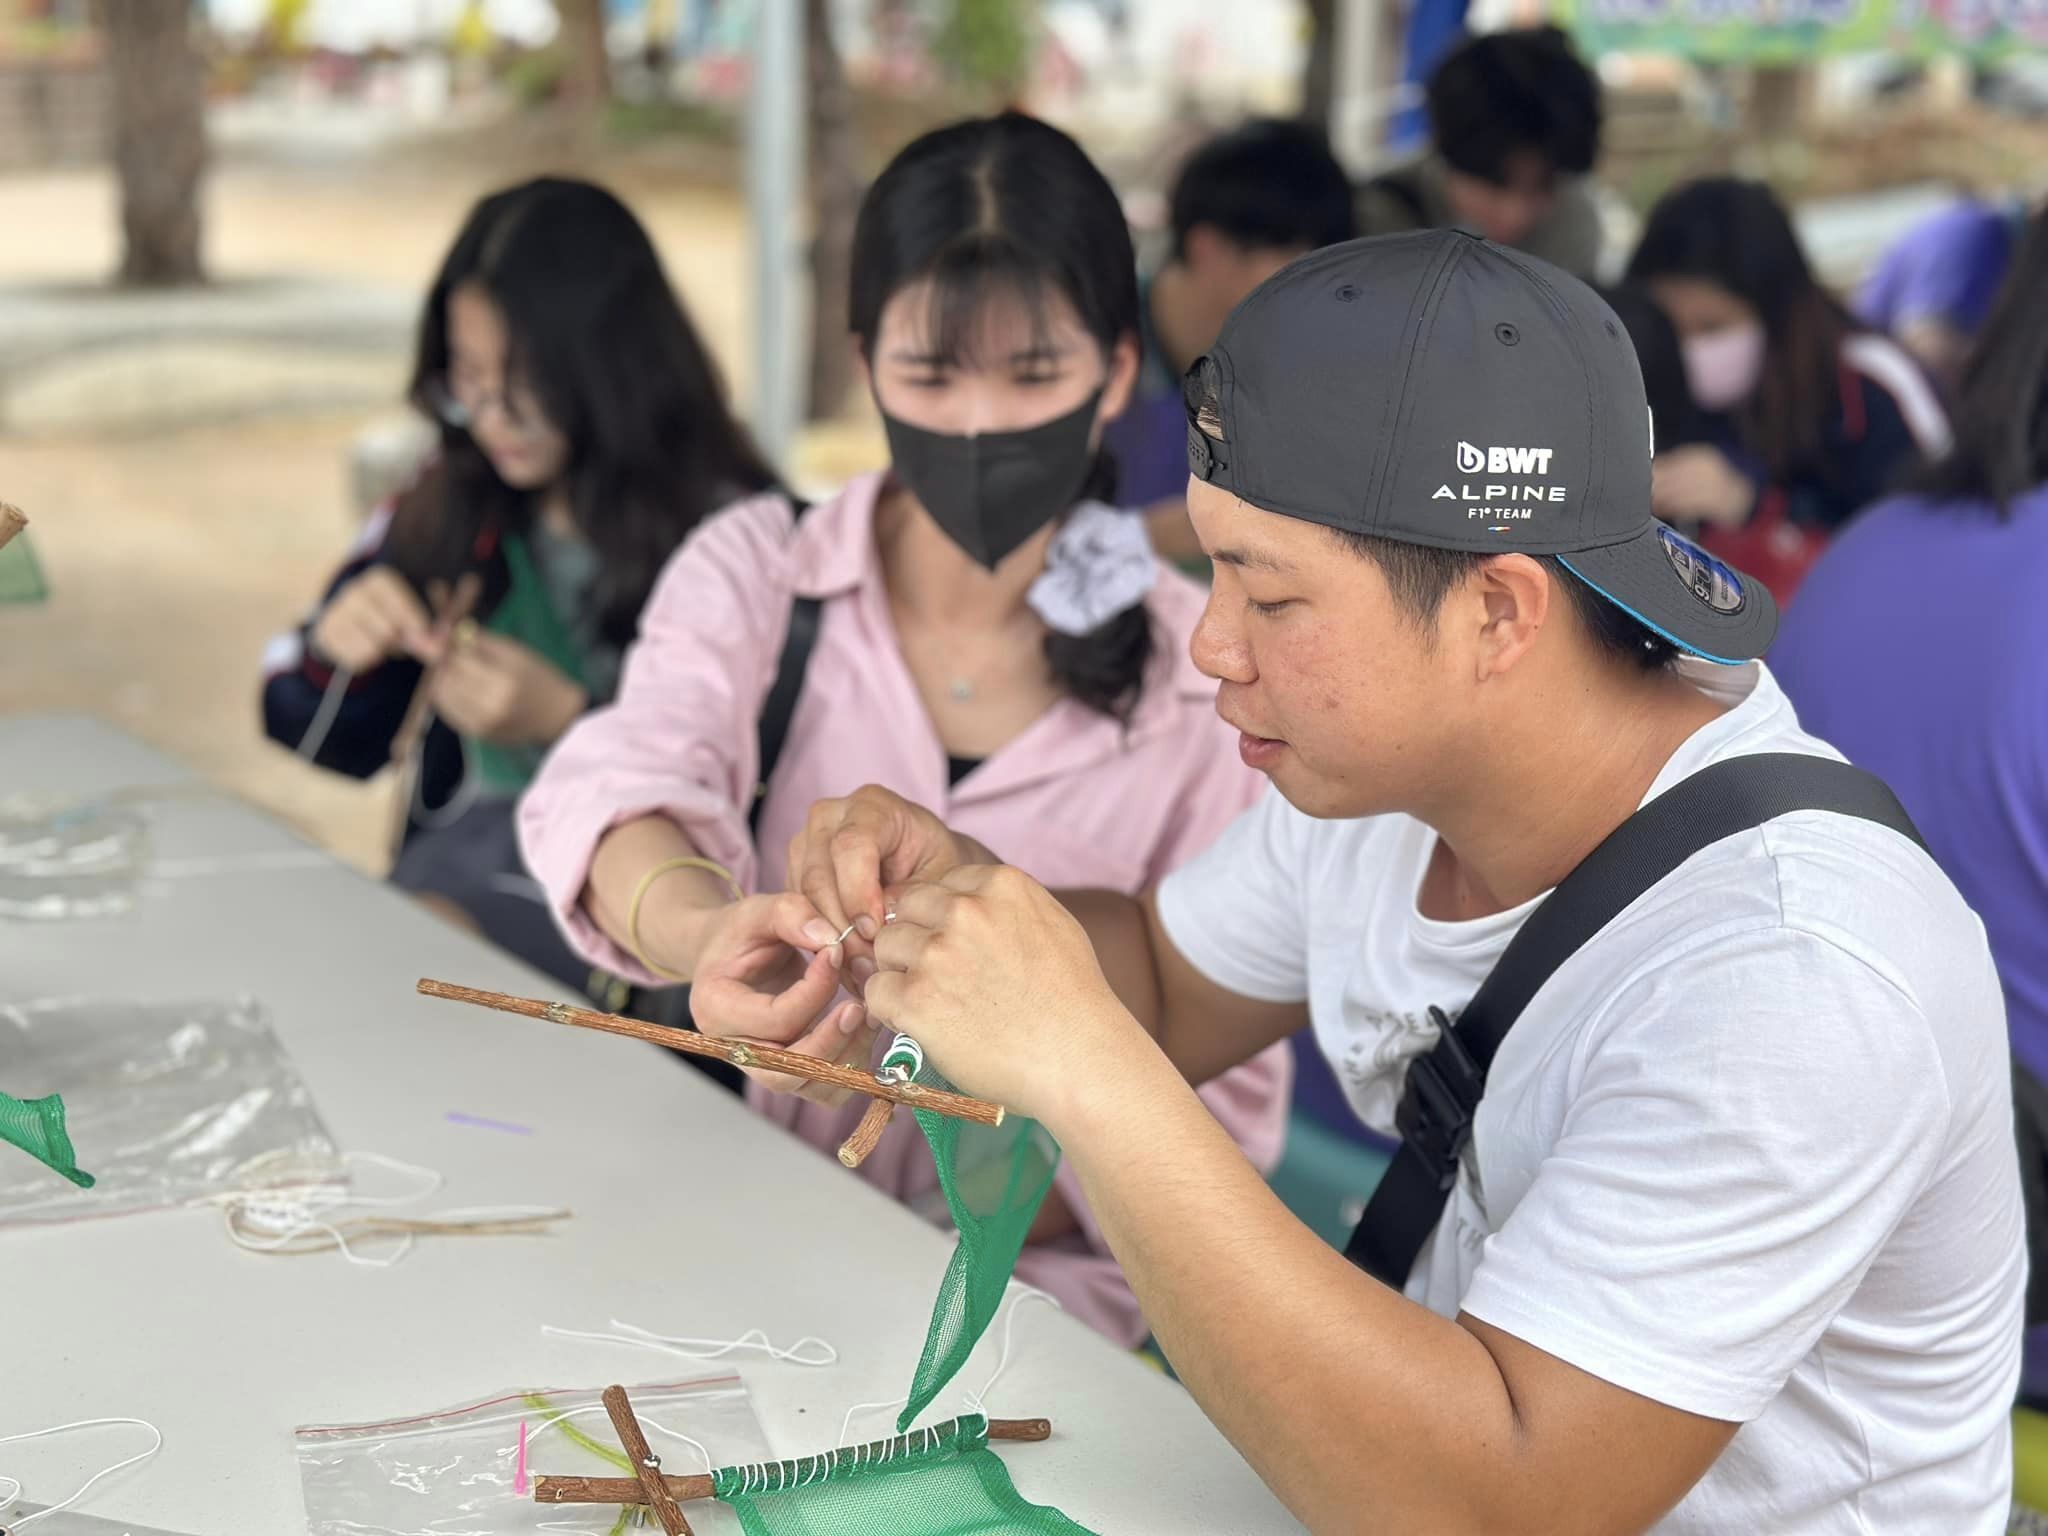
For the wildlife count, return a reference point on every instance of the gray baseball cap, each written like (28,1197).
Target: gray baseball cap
(1439,389)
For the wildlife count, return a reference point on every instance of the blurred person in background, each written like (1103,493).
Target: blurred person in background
(990,636)
(1933,287)
(1675,417)
(1812,416)
(584,433)
(1514,121)
(1246,203)
(1920,648)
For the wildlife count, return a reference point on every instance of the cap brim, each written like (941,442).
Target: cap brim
(1638,576)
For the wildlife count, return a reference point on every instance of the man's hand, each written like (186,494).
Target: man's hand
(997,980)
(767,969)
(850,850)
(1699,484)
(503,692)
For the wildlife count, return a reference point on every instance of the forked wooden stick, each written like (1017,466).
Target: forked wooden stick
(741,1053)
(868,1134)
(627,1490)
(653,1489)
(460,604)
(12,521)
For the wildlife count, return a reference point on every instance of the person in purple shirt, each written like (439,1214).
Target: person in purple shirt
(1933,287)
(1247,202)
(1919,647)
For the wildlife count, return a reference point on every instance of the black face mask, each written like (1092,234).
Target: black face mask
(993,491)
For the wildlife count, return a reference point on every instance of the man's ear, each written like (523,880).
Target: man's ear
(1514,598)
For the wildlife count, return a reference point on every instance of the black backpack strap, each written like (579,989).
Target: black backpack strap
(1444,1087)
(779,707)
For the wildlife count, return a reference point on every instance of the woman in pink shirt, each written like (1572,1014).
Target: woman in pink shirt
(992,642)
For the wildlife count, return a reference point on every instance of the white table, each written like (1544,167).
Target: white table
(158,1316)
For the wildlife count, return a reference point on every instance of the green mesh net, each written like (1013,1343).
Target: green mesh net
(942,1481)
(21,578)
(37,1127)
(995,1178)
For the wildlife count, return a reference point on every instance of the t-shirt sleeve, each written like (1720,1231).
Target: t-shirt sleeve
(1236,911)
(1749,1122)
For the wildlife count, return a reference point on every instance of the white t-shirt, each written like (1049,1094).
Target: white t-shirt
(1748,1153)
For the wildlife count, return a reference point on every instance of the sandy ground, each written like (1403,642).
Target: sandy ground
(173,556)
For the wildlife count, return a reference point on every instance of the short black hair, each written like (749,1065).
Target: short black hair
(1421,576)
(1496,96)
(1268,184)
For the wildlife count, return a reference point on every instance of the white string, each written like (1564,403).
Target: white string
(87,1486)
(1025,1294)
(975,1400)
(808,1351)
(323,718)
(677,1434)
(288,1214)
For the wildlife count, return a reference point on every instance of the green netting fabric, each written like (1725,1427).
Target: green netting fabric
(995,1178)
(21,579)
(37,1127)
(942,1481)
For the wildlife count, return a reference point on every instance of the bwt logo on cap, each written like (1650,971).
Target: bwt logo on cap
(1503,461)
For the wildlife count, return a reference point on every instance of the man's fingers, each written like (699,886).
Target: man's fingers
(843,1036)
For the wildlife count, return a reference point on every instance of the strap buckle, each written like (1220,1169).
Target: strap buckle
(1438,1103)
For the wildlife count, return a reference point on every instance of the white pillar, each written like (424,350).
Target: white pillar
(1356,114)
(775,194)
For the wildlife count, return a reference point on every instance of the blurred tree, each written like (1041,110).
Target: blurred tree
(587,79)
(157,89)
(284,24)
(835,201)
(987,45)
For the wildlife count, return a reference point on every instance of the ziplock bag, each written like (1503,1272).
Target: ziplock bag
(454,1473)
(165,1103)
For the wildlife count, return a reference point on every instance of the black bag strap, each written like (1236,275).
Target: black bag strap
(779,707)
(1444,1086)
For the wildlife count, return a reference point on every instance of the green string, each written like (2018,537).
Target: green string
(576,1436)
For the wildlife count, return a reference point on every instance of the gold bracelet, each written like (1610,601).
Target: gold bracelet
(710,866)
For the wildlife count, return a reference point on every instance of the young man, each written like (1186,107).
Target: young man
(1737,1243)
(1246,203)
(1514,123)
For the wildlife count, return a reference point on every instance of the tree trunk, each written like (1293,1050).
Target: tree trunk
(587,79)
(1319,69)
(157,91)
(835,200)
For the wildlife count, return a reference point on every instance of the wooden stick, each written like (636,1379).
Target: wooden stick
(644,1463)
(405,741)
(625,1490)
(12,521)
(868,1134)
(741,1053)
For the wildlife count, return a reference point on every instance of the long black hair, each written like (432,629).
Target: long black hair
(2001,415)
(1010,205)
(599,339)
(1675,418)
(1736,235)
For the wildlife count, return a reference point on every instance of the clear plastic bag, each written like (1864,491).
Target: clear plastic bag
(453,1473)
(166,1103)
(60,861)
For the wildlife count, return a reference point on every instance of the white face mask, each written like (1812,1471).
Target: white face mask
(1722,367)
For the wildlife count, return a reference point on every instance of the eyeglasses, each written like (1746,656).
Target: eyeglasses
(462,404)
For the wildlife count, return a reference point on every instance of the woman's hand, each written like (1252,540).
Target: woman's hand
(999,984)
(374,616)
(503,692)
(767,969)
(851,850)
(1699,484)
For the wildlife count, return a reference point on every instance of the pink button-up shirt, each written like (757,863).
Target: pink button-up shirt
(1075,800)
